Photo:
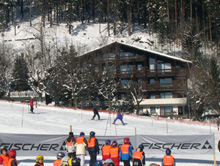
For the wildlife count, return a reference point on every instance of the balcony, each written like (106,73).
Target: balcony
(161,73)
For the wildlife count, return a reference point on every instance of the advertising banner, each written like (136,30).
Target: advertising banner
(49,145)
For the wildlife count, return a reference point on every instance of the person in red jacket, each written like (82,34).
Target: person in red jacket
(12,158)
(106,150)
(168,159)
(4,156)
(32,105)
(57,162)
(114,153)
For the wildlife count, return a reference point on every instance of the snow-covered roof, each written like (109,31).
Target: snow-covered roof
(142,49)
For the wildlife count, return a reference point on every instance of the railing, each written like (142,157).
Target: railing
(24,94)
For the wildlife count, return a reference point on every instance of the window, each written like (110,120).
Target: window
(178,66)
(109,69)
(96,69)
(138,55)
(122,96)
(152,96)
(165,81)
(164,67)
(139,67)
(124,83)
(152,81)
(152,64)
(166,95)
(109,55)
(166,110)
(180,110)
(153,110)
(126,68)
(139,81)
(124,54)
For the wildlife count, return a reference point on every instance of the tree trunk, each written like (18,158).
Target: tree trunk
(137,112)
(108,18)
(129,19)
(75,101)
(191,15)
(30,17)
(22,8)
(176,19)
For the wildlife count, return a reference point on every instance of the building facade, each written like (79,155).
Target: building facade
(163,78)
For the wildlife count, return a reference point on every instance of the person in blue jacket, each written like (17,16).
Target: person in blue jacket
(126,152)
(120,117)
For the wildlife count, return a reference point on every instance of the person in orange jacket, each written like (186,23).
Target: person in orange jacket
(70,141)
(12,158)
(168,159)
(57,162)
(126,152)
(106,150)
(114,153)
(93,148)
(4,156)
(139,156)
(39,160)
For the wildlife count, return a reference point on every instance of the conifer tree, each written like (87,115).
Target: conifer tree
(20,75)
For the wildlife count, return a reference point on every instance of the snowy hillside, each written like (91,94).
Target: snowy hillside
(53,120)
(85,37)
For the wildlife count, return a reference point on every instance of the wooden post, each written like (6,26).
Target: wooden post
(135,134)
(70,128)
(214,149)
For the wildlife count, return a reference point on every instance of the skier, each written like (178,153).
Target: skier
(139,156)
(114,152)
(120,117)
(57,162)
(39,160)
(96,112)
(126,152)
(106,150)
(12,158)
(93,148)
(32,105)
(80,145)
(70,141)
(1,161)
(168,159)
(4,156)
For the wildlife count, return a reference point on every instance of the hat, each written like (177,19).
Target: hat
(70,133)
(108,161)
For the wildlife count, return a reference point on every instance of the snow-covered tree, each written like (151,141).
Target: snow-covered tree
(137,93)
(108,84)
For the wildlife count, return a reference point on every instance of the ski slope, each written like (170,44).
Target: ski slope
(53,120)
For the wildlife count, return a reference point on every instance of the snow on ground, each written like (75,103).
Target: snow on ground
(84,37)
(54,120)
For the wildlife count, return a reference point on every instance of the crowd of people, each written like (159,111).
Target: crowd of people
(112,153)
